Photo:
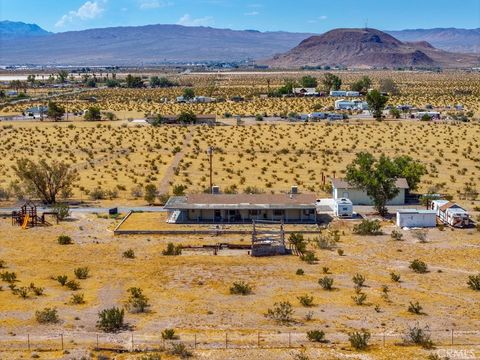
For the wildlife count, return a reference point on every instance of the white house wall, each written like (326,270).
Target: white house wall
(359,197)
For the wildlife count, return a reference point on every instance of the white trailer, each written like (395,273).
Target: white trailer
(343,208)
(412,218)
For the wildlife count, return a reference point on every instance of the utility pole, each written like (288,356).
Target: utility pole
(210,155)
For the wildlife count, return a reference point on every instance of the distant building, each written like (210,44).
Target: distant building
(338,93)
(305,92)
(343,207)
(352,93)
(342,189)
(36,112)
(351,105)
(317,116)
(430,114)
(450,213)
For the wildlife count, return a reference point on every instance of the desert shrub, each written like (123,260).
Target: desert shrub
(137,302)
(172,250)
(300,272)
(358,280)
(395,277)
(81,273)
(47,316)
(326,270)
(306,300)
(21,291)
(240,288)
(3,264)
(316,336)
(368,227)
(396,235)
(474,282)
(359,298)
(415,308)
(150,193)
(326,283)
(420,235)
(62,279)
(9,277)
(179,190)
(62,209)
(64,240)
(168,334)
(72,285)
(359,339)
(301,355)
(340,252)
(151,357)
(129,254)
(281,312)
(38,291)
(97,194)
(309,257)
(111,320)
(298,242)
(77,299)
(181,350)
(418,266)
(326,241)
(418,336)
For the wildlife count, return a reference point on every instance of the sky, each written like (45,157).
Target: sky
(314,16)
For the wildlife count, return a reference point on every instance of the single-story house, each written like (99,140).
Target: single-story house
(338,93)
(416,218)
(242,208)
(305,92)
(342,189)
(36,112)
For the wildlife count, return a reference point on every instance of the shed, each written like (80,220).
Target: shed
(416,218)
(342,189)
(343,207)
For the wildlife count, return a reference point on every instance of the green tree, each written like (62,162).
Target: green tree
(45,180)
(150,193)
(362,85)
(187,117)
(388,86)
(55,111)
(287,87)
(62,76)
(162,82)
(112,83)
(395,113)
(309,82)
(133,81)
(376,177)
(188,94)
(331,82)
(376,103)
(410,169)
(93,113)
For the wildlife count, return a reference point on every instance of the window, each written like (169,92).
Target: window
(278,212)
(254,212)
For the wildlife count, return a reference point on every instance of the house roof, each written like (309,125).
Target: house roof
(416,211)
(242,201)
(401,183)
(450,205)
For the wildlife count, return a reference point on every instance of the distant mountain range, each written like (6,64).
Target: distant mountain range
(451,39)
(368,48)
(22,43)
(15,30)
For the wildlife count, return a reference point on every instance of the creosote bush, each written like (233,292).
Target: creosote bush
(64,240)
(281,312)
(474,282)
(316,336)
(306,300)
(81,273)
(111,320)
(417,335)
(168,334)
(47,316)
(172,250)
(77,299)
(395,277)
(129,254)
(137,302)
(359,339)
(240,288)
(419,266)
(368,227)
(396,235)
(326,283)
(415,308)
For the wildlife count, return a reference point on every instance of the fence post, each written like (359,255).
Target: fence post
(195,343)
(258,339)
(61,336)
(384,339)
(289,339)
(226,339)
(132,342)
(28,341)
(97,343)
(452,336)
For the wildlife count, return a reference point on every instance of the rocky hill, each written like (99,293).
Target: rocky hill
(367,48)
(15,30)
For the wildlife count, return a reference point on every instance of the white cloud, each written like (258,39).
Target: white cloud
(153,4)
(323,17)
(89,10)
(252,13)
(187,20)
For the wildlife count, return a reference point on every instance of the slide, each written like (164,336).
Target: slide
(25,221)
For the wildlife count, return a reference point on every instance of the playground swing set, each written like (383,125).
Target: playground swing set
(28,217)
